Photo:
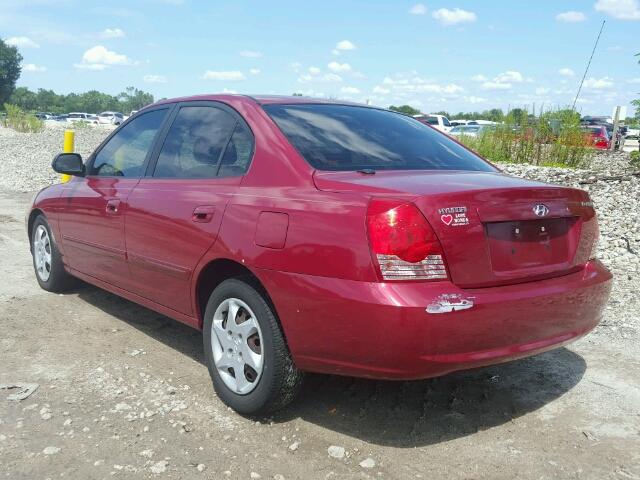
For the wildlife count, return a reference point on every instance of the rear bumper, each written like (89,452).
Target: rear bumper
(383,330)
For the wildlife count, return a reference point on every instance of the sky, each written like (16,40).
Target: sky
(433,55)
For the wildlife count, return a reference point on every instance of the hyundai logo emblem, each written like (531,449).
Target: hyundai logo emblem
(541,210)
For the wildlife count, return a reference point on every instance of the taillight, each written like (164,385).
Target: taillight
(403,242)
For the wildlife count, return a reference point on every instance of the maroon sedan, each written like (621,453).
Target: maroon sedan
(310,236)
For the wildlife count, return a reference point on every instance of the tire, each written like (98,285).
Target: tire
(47,260)
(255,392)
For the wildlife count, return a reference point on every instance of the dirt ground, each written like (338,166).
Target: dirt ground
(123,393)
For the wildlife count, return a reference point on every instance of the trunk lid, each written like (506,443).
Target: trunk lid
(487,222)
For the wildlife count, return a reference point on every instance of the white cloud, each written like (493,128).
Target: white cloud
(418,9)
(314,70)
(339,67)
(598,83)
(496,86)
(250,54)
(620,9)
(402,84)
(381,90)
(542,91)
(571,17)
(634,80)
(453,17)
(331,77)
(349,90)
(452,88)
(99,58)
(112,33)
(21,42)
(155,79)
(335,51)
(473,99)
(566,72)
(254,71)
(326,78)
(100,54)
(228,76)
(502,81)
(296,66)
(345,45)
(479,78)
(509,76)
(33,68)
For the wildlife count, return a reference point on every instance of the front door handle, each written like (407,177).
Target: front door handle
(203,213)
(112,205)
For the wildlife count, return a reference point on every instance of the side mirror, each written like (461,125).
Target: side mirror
(69,164)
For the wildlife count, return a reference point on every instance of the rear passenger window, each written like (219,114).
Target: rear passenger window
(237,156)
(125,153)
(195,143)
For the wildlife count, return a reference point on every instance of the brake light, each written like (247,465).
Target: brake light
(403,243)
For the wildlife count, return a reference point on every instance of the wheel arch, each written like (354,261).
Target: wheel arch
(219,270)
(32,218)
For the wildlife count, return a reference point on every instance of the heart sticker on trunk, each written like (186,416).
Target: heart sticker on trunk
(446,219)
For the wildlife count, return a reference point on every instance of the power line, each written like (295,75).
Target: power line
(588,65)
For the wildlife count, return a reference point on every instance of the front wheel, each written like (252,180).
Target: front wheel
(245,351)
(47,260)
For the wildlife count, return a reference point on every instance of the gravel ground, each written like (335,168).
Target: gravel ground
(123,391)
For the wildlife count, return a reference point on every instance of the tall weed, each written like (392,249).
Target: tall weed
(21,121)
(552,139)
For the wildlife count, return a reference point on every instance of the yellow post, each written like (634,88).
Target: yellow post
(68,147)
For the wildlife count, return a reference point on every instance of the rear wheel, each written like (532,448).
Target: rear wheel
(245,351)
(47,261)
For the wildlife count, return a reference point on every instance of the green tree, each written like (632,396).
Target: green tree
(134,99)
(518,116)
(495,115)
(10,70)
(406,109)
(23,98)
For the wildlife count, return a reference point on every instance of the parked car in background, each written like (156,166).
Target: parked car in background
(457,123)
(597,136)
(482,122)
(74,117)
(469,130)
(633,133)
(309,235)
(439,122)
(45,115)
(110,118)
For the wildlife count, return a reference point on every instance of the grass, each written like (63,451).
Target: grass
(21,121)
(553,139)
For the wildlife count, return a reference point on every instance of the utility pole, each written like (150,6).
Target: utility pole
(616,121)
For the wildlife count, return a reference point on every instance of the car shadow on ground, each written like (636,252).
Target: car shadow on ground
(397,414)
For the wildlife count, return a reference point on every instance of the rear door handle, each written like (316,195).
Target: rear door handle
(112,206)
(203,213)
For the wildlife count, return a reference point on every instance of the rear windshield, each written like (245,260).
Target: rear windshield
(344,137)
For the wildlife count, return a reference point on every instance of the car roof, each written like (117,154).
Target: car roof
(261,99)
